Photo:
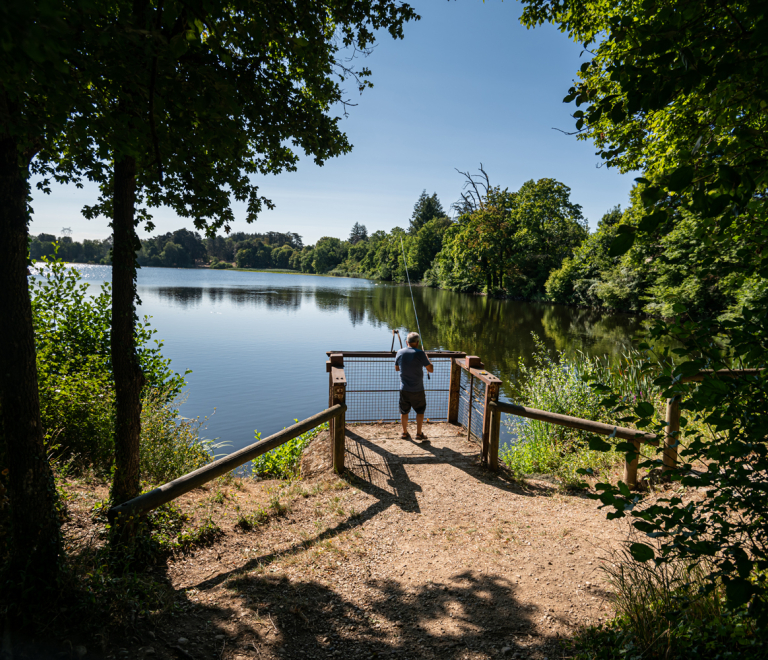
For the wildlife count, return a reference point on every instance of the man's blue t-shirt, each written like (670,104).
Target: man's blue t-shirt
(411,360)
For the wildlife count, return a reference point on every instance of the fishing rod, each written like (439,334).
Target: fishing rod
(410,288)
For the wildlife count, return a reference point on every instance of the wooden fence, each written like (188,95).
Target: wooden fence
(492,410)
(490,433)
(170,491)
(636,437)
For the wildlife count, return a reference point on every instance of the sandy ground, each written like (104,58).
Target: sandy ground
(419,552)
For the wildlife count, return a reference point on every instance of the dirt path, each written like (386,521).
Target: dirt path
(421,553)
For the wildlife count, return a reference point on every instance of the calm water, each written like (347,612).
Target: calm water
(256,342)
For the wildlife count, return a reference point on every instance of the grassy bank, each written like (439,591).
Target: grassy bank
(562,383)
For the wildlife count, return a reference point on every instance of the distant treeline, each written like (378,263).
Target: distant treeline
(530,244)
(181,249)
(87,252)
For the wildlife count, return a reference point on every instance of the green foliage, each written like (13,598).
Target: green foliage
(511,241)
(72,335)
(427,207)
(678,267)
(72,327)
(77,409)
(179,249)
(88,252)
(171,445)
(729,636)
(329,252)
(254,255)
(677,91)
(574,282)
(164,532)
(694,131)
(219,265)
(667,612)
(283,462)
(722,452)
(559,384)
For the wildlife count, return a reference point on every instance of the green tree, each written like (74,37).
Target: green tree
(254,254)
(307,260)
(574,282)
(426,208)
(41,83)
(548,228)
(479,247)
(282,258)
(426,246)
(329,252)
(512,240)
(358,233)
(180,117)
(676,89)
(295,260)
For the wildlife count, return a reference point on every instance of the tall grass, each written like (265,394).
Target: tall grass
(561,383)
(666,611)
(171,445)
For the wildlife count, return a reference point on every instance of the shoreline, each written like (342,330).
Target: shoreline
(420,284)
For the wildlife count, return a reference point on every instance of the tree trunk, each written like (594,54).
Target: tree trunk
(36,542)
(129,379)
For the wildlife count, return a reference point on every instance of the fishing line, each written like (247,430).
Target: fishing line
(410,288)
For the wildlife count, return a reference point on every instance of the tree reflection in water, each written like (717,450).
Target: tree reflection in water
(499,331)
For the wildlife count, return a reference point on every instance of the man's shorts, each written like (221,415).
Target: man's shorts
(416,399)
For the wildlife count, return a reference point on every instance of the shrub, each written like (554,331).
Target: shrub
(560,385)
(722,454)
(72,336)
(73,327)
(283,461)
(77,409)
(171,445)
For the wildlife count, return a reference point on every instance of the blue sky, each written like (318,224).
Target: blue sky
(467,85)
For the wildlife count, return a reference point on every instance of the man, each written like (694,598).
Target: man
(409,362)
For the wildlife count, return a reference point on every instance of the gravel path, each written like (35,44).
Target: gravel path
(419,553)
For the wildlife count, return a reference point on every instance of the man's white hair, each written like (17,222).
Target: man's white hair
(413,338)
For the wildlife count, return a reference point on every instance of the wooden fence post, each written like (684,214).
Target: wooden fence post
(630,467)
(490,452)
(493,455)
(338,395)
(454,392)
(672,434)
(470,407)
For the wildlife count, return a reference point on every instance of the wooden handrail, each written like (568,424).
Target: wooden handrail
(170,491)
(481,374)
(721,373)
(633,435)
(389,354)
(577,423)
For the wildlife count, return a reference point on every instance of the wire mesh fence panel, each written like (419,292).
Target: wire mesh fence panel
(373,389)
(471,403)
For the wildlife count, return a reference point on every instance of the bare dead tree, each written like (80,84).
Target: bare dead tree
(475,190)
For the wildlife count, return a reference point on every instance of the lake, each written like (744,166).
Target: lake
(256,342)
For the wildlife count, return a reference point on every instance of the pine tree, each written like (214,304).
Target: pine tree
(426,208)
(358,233)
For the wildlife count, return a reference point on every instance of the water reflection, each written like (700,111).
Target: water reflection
(499,331)
(185,297)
